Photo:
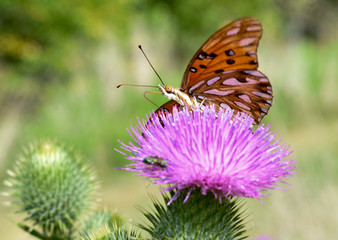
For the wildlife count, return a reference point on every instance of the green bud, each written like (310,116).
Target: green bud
(105,225)
(53,187)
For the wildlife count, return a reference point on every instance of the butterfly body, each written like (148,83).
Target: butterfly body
(179,96)
(224,72)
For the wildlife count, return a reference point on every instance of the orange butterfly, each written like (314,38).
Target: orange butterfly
(224,72)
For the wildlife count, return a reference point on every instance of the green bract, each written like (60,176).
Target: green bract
(202,217)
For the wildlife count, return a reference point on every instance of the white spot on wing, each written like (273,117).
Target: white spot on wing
(195,86)
(224,105)
(245,98)
(262,95)
(253,28)
(231,82)
(233,31)
(269,89)
(254,73)
(251,80)
(218,92)
(230,71)
(242,105)
(263,80)
(246,41)
(213,80)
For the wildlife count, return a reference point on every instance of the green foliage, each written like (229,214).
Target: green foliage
(41,40)
(190,18)
(201,217)
(53,187)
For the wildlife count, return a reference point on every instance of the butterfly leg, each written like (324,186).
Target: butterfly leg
(146,92)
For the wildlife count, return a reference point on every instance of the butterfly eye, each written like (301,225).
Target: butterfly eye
(168,88)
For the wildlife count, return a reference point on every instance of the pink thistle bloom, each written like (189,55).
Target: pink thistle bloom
(195,150)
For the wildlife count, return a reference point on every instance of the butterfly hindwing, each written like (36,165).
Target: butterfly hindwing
(167,107)
(242,90)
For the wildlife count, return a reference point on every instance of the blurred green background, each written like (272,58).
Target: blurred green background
(61,60)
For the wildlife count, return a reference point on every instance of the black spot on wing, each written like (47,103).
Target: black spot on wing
(202,55)
(211,56)
(250,54)
(229,52)
(193,70)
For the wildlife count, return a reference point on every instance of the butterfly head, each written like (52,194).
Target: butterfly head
(171,93)
(168,88)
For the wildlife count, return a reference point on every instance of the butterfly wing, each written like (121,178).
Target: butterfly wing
(232,47)
(167,107)
(224,70)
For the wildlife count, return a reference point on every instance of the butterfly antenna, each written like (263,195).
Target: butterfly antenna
(135,85)
(140,47)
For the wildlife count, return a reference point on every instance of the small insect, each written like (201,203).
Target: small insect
(155,161)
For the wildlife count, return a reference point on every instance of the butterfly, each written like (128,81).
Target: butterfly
(224,72)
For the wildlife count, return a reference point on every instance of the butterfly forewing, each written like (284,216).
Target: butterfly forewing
(232,47)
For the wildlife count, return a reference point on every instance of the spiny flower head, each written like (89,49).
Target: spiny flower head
(197,150)
(53,186)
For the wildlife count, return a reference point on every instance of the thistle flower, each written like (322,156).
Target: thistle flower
(195,150)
